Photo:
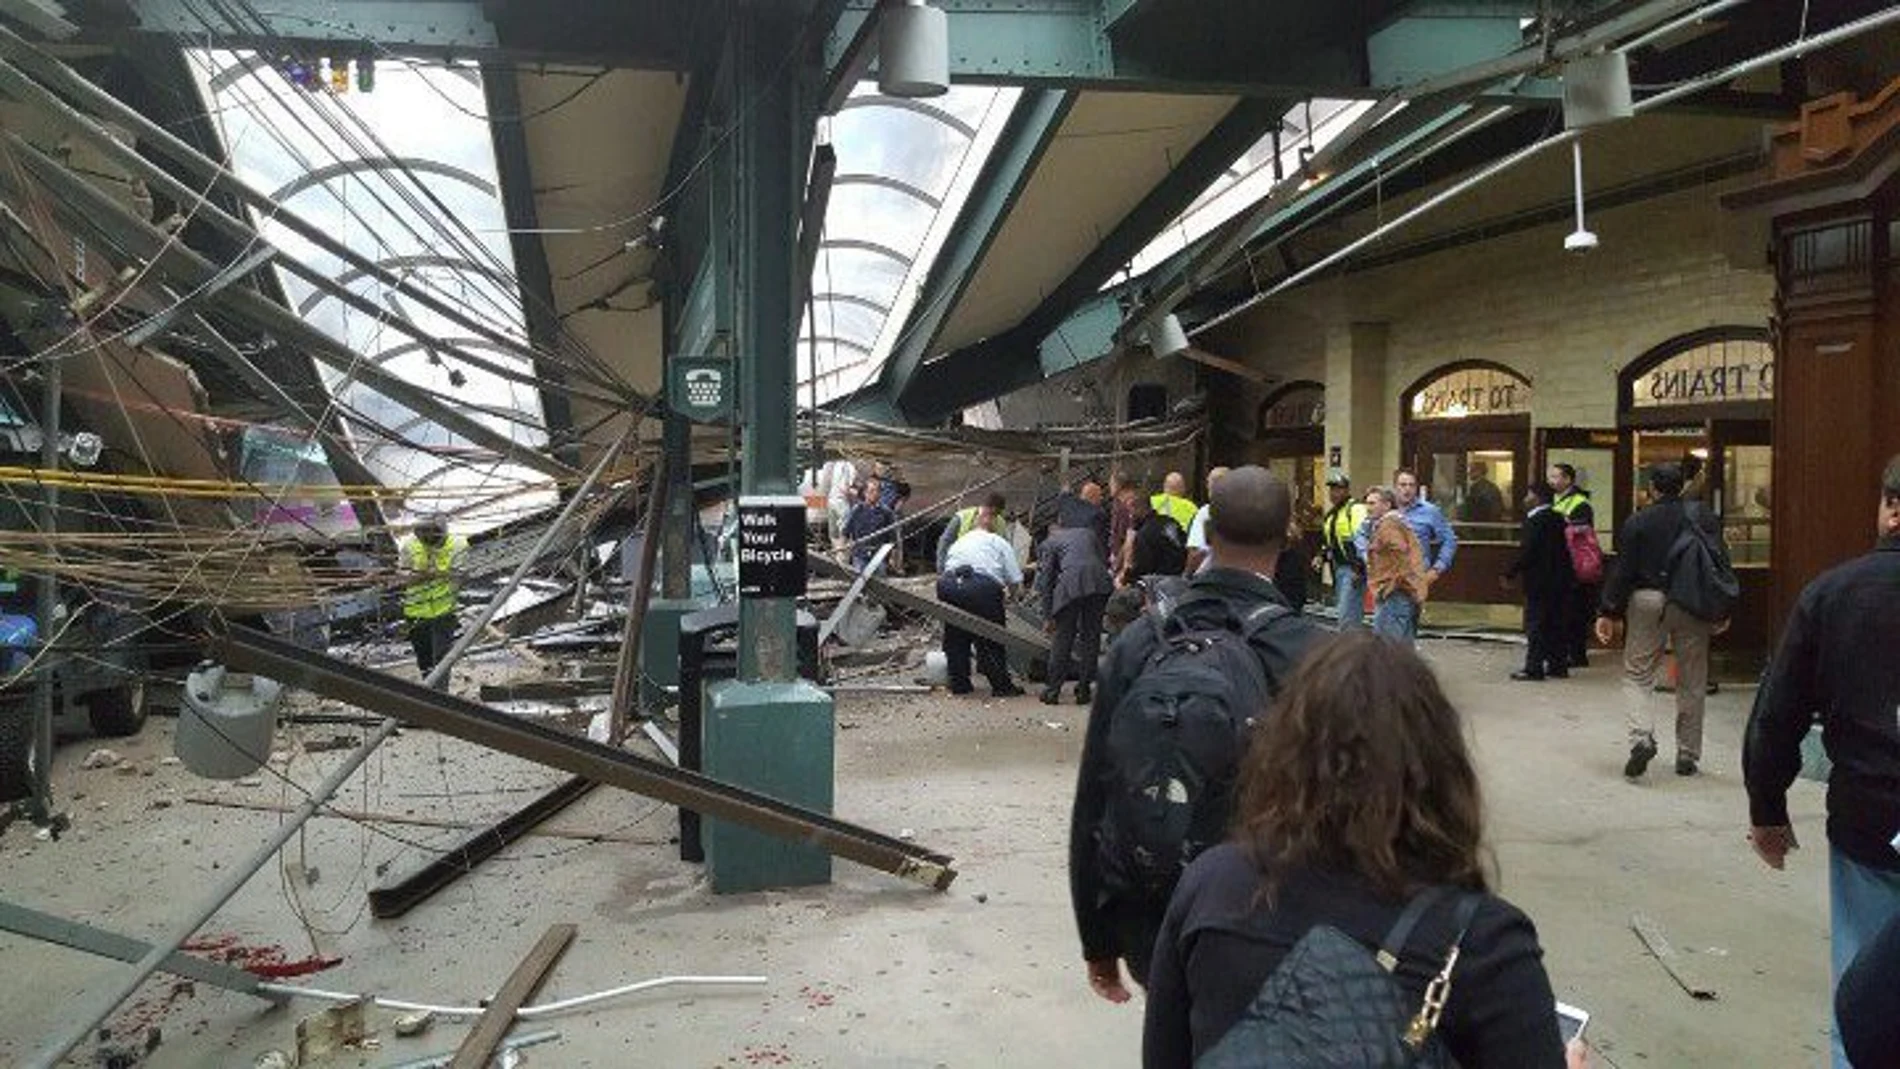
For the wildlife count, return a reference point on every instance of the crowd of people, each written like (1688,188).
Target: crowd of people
(1277,829)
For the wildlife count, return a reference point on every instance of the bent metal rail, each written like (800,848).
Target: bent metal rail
(252,651)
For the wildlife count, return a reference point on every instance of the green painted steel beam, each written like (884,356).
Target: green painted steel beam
(1014,358)
(1066,44)
(1031,129)
(1118,13)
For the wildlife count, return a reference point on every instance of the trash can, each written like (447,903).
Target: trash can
(709,652)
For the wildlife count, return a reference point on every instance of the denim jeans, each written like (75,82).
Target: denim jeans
(1397,616)
(1349,597)
(1860,901)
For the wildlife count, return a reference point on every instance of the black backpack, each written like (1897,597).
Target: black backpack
(1174,745)
(1333,1004)
(1697,577)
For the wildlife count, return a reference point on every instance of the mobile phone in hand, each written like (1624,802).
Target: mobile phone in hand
(1571,1021)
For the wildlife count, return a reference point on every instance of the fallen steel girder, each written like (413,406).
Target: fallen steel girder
(59,931)
(253,651)
(1034,645)
(406,894)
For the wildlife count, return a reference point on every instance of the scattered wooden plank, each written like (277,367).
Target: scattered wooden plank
(499,1017)
(1674,964)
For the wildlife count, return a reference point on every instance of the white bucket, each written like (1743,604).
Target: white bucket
(228,720)
(936,669)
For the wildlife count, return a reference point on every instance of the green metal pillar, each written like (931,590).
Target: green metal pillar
(768,729)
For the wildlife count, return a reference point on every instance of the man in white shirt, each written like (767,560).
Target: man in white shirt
(1198,557)
(979,570)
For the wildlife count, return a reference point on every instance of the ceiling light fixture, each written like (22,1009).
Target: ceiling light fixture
(913,46)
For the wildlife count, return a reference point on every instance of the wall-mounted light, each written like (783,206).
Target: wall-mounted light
(913,50)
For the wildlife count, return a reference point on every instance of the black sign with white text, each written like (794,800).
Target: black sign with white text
(771,547)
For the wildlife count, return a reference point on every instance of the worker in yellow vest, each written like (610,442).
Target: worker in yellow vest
(432,561)
(1339,532)
(988,516)
(1173,501)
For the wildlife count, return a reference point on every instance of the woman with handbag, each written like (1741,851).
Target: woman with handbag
(1348,922)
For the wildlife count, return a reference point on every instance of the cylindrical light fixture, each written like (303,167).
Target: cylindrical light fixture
(913,51)
(1168,338)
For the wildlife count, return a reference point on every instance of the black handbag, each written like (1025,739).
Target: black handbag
(1334,1004)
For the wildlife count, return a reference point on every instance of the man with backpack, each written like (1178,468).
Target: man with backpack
(1671,584)
(1170,718)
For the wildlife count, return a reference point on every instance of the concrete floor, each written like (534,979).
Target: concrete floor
(874,972)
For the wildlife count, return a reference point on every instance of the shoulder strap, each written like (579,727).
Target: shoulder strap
(1392,947)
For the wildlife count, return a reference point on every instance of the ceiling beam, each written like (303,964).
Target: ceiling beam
(1031,129)
(1015,357)
(534,279)
(1065,44)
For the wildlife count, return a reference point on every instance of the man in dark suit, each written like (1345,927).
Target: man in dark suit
(1543,565)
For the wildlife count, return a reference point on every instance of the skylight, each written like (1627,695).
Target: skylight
(905,169)
(404,175)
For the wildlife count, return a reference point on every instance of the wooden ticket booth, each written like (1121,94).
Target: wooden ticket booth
(1833,203)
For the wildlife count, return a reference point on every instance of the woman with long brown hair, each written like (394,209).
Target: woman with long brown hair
(1356,795)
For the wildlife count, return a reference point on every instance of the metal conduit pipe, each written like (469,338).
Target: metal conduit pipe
(82,1023)
(526,1013)
(1687,89)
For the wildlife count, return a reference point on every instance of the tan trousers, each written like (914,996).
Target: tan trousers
(1649,621)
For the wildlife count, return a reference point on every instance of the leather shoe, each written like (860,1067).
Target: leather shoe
(1010,691)
(1685,766)
(1579,661)
(961,690)
(1560,673)
(1083,695)
(1639,758)
(1528,677)
(1049,696)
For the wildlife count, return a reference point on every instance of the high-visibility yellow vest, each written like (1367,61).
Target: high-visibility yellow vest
(1341,526)
(434,594)
(1568,503)
(1179,509)
(966,522)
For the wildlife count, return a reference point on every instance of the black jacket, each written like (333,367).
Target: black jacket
(1218,944)
(1840,661)
(1543,557)
(1111,928)
(1642,549)
(1160,547)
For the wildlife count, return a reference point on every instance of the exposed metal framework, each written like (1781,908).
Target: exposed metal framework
(376,164)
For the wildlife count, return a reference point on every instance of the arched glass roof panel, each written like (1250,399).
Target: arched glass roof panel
(856,271)
(906,168)
(405,175)
(883,140)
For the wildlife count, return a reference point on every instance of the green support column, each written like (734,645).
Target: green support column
(768,730)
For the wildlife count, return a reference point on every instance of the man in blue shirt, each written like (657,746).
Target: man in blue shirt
(1428,522)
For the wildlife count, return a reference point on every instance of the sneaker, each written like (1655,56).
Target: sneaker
(1083,695)
(1685,766)
(1639,758)
(1049,696)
